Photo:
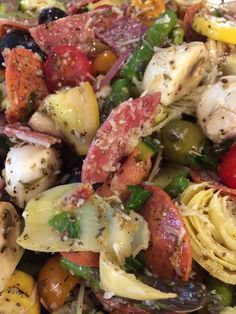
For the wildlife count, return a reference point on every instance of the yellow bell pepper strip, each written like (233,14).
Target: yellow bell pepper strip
(217,28)
(20,295)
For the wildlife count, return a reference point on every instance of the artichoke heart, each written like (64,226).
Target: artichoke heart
(102,227)
(211,224)
(76,114)
(175,71)
(116,281)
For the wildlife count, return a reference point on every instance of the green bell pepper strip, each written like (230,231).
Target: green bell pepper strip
(137,198)
(85,272)
(177,35)
(177,186)
(154,37)
(120,93)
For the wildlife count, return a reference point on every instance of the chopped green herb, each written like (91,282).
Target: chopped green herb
(177,186)
(67,224)
(137,198)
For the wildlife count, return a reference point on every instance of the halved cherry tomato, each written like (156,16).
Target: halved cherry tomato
(104,62)
(66,66)
(169,253)
(212,181)
(227,169)
(190,34)
(90,259)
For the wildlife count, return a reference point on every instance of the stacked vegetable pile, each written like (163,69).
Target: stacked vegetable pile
(117,145)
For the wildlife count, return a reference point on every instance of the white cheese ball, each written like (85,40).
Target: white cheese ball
(216,110)
(29,170)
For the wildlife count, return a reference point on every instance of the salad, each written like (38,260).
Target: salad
(118,157)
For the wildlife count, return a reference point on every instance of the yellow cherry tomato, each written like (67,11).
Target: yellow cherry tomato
(216,28)
(20,295)
(55,284)
(148,10)
(103,62)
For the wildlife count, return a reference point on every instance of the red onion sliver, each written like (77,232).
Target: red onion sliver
(114,70)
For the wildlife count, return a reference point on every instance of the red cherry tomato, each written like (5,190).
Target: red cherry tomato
(66,66)
(88,258)
(227,169)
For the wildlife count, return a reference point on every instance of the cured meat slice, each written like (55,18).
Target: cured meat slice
(123,35)
(27,135)
(169,252)
(118,136)
(72,30)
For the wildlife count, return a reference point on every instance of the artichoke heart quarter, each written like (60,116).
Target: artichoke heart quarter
(211,223)
(102,227)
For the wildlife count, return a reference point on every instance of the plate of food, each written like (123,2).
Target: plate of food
(118,157)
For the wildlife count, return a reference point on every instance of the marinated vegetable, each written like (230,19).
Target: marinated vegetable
(179,138)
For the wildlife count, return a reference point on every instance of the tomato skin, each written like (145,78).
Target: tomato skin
(90,259)
(66,66)
(104,62)
(227,169)
(55,283)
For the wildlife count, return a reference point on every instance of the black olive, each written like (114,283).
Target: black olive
(75,176)
(50,14)
(19,38)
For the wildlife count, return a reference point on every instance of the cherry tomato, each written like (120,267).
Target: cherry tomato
(149,9)
(55,284)
(227,169)
(103,62)
(66,66)
(90,259)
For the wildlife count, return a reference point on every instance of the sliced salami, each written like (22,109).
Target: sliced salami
(72,30)
(122,35)
(118,136)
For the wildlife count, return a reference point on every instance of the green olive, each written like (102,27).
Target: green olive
(224,291)
(179,137)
